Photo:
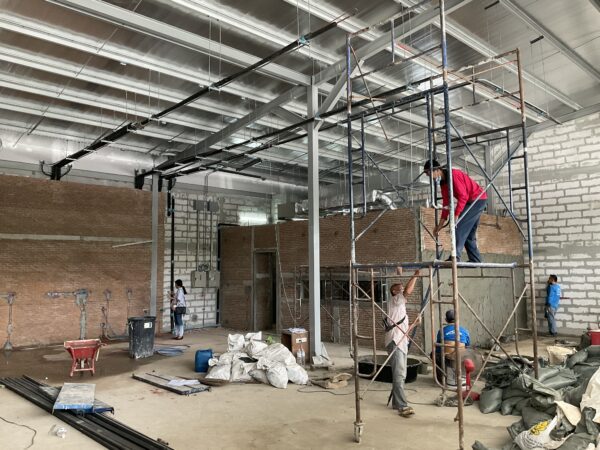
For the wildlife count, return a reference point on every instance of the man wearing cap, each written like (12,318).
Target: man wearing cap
(470,203)
(449,334)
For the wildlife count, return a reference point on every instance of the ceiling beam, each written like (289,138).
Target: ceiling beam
(353,25)
(468,38)
(202,146)
(160,30)
(90,46)
(567,51)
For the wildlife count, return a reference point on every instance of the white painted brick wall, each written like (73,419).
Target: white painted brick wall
(239,210)
(566,218)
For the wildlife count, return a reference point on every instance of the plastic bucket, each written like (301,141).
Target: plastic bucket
(594,336)
(202,357)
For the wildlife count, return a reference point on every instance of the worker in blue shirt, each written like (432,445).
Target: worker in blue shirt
(553,296)
(449,338)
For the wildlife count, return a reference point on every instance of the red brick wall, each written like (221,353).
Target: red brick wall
(392,238)
(59,236)
(495,234)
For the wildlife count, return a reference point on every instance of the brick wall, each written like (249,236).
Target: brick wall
(565,202)
(60,236)
(192,246)
(394,238)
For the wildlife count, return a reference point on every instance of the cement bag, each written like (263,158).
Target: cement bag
(253,336)
(235,342)
(532,416)
(265,363)
(219,372)
(297,374)
(577,358)
(538,437)
(259,375)
(591,397)
(558,355)
(490,400)
(277,376)
(509,404)
(279,353)
(240,371)
(593,351)
(213,362)
(254,348)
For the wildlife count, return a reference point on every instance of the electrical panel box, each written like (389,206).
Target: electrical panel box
(202,279)
(202,205)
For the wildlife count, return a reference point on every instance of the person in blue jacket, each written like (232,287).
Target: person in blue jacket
(553,296)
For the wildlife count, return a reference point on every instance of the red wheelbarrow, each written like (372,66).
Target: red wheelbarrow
(84,353)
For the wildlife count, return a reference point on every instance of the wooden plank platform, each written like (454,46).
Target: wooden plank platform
(162,381)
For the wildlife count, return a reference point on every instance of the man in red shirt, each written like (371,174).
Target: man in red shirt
(470,200)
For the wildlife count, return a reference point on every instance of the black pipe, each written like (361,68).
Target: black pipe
(171,213)
(133,126)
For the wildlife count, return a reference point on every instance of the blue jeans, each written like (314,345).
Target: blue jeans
(178,330)
(550,314)
(466,231)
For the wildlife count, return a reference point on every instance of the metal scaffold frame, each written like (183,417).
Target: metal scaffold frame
(358,270)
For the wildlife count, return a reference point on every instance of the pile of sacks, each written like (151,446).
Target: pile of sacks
(558,411)
(249,359)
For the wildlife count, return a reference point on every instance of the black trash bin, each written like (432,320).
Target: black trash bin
(141,336)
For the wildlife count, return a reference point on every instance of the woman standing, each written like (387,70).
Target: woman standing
(179,308)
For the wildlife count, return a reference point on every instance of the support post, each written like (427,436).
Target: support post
(314,262)
(154,257)
(455,292)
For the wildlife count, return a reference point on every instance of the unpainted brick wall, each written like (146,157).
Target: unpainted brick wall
(565,206)
(59,237)
(394,238)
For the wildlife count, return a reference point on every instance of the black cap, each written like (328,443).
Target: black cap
(450,316)
(429,164)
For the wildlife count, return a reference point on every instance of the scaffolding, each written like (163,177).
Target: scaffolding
(451,137)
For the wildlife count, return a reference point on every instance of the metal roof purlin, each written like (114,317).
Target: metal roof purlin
(139,23)
(556,42)
(224,133)
(131,126)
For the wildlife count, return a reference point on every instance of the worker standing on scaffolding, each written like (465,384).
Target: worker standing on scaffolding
(470,199)
(396,342)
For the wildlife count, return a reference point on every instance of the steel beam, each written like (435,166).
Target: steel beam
(139,23)
(314,262)
(229,130)
(154,256)
(573,56)
(468,38)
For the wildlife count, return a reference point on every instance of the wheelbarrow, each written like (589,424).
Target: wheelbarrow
(84,353)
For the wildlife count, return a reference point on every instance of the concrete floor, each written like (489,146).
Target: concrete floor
(237,415)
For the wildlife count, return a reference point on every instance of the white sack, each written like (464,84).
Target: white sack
(277,376)
(240,371)
(219,372)
(538,437)
(235,342)
(254,336)
(297,374)
(279,353)
(260,375)
(255,348)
